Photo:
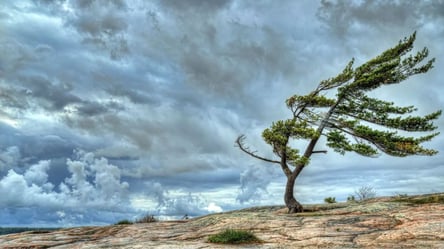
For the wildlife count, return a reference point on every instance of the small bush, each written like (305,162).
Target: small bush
(231,236)
(330,200)
(146,219)
(351,198)
(124,222)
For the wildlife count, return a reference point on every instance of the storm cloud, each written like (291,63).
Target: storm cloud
(116,109)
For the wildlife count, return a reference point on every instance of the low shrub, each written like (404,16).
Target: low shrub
(124,222)
(351,198)
(146,219)
(330,200)
(231,236)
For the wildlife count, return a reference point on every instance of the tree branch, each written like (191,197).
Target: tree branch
(352,134)
(241,145)
(319,151)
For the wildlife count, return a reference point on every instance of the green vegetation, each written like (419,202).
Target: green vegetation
(351,198)
(124,222)
(330,200)
(438,198)
(231,236)
(342,110)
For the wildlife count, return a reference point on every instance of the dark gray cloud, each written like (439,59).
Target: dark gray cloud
(155,92)
(376,17)
(12,98)
(136,97)
(101,24)
(53,96)
(194,5)
(344,16)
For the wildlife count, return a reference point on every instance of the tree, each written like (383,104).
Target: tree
(351,121)
(365,192)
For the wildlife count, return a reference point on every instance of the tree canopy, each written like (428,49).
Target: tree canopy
(341,110)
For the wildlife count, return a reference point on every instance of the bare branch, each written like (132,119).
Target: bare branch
(240,143)
(319,151)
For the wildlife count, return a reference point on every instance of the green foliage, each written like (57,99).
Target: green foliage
(352,114)
(437,198)
(352,121)
(389,67)
(351,198)
(309,101)
(330,200)
(124,222)
(231,236)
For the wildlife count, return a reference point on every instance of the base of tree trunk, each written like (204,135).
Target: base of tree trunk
(294,207)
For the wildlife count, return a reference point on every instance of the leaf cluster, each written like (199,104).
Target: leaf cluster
(357,123)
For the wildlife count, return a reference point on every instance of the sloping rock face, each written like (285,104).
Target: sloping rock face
(396,222)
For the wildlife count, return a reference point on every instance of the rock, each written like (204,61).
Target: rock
(390,222)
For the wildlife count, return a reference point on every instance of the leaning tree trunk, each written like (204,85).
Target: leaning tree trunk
(292,204)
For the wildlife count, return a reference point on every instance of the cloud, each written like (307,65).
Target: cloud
(101,25)
(161,89)
(208,6)
(106,187)
(254,182)
(191,205)
(177,204)
(93,189)
(37,174)
(157,192)
(214,208)
(343,17)
(53,96)
(9,158)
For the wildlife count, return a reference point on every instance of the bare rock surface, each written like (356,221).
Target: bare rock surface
(391,222)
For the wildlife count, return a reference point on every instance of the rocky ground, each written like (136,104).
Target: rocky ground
(392,222)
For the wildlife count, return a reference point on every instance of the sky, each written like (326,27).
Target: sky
(115,109)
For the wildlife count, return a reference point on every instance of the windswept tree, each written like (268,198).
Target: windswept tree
(351,121)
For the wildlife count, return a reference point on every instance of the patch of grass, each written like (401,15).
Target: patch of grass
(124,222)
(231,236)
(421,199)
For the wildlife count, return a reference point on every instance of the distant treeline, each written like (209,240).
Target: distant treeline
(9,230)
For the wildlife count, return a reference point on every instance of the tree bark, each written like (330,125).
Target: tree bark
(292,204)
